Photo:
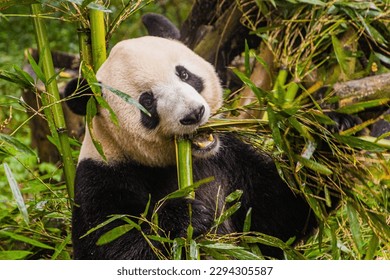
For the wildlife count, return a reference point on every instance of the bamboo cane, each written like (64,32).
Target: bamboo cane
(51,99)
(184,162)
(98,38)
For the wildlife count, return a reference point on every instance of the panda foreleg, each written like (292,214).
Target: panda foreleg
(177,214)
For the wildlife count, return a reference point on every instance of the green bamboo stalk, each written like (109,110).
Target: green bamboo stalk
(98,38)
(292,90)
(85,45)
(52,97)
(184,163)
(280,80)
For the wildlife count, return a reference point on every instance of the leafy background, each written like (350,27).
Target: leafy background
(307,38)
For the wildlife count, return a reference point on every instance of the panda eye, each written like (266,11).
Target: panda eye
(190,78)
(147,100)
(183,74)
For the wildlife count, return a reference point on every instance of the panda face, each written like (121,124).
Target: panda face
(178,88)
(176,107)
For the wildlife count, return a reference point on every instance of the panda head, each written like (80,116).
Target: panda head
(178,88)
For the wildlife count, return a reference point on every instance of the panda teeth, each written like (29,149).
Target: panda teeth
(203,141)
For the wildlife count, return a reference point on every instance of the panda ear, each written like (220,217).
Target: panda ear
(77,93)
(160,26)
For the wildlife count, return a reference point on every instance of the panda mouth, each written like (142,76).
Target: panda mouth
(204,144)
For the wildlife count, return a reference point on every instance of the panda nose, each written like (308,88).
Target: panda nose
(194,117)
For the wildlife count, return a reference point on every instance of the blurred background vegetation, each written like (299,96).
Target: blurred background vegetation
(279,62)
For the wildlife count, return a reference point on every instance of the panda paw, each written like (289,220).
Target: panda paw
(174,217)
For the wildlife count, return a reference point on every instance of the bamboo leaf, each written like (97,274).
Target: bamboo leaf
(24,77)
(16,193)
(335,249)
(382,57)
(361,106)
(214,254)
(14,255)
(318,167)
(36,68)
(359,143)
(25,239)
(228,213)
(314,204)
(60,248)
(125,97)
(159,238)
(341,55)
(90,76)
(145,213)
(248,221)
(186,191)
(372,247)
(177,248)
(114,233)
(264,64)
(276,134)
(302,129)
(236,195)
(221,246)
(99,226)
(13,146)
(374,34)
(355,227)
(18,77)
(95,86)
(91,112)
(247,81)
(194,250)
(242,254)
(190,228)
(312,2)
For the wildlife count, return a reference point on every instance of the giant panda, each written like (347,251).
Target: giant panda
(181,91)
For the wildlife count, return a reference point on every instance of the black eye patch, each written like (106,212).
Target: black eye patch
(150,104)
(193,80)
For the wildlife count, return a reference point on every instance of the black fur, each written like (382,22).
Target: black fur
(78,92)
(160,26)
(342,121)
(124,188)
(150,104)
(381,127)
(190,78)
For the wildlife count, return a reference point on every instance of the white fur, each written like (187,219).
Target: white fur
(148,64)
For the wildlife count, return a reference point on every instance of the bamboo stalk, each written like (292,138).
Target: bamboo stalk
(52,99)
(184,163)
(292,90)
(85,45)
(98,38)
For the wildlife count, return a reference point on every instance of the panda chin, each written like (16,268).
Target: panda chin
(205,145)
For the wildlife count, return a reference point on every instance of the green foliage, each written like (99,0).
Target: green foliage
(309,38)
(35,219)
